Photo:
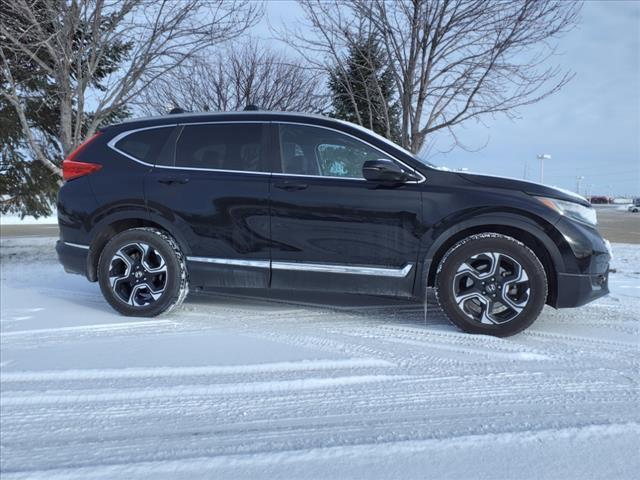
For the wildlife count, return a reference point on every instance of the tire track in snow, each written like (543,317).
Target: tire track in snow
(170,467)
(181,372)
(100,327)
(194,391)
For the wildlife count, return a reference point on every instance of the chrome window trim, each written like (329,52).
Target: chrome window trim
(111,144)
(310,267)
(301,175)
(77,245)
(215,170)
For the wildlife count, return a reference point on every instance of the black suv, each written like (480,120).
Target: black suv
(153,207)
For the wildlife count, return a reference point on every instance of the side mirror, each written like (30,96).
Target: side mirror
(384,170)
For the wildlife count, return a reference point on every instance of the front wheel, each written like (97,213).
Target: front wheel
(491,284)
(142,273)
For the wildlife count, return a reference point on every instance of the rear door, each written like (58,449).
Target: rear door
(332,229)
(214,190)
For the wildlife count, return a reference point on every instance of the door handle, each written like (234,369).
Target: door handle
(291,186)
(177,179)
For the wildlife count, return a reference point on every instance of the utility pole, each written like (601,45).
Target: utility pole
(579,178)
(542,157)
(524,175)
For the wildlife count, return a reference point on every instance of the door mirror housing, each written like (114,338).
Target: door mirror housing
(384,170)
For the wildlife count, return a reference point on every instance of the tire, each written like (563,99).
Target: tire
(491,284)
(142,273)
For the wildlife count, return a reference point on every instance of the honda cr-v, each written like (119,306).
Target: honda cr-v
(154,207)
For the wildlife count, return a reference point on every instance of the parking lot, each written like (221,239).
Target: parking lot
(618,225)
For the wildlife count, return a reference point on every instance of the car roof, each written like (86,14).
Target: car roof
(264,115)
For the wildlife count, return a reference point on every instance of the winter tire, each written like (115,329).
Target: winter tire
(491,284)
(142,273)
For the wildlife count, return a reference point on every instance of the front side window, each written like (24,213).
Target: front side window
(308,150)
(238,147)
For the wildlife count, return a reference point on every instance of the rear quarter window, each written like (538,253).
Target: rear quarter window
(152,145)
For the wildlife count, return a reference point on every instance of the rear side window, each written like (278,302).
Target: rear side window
(238,147)
(150,145)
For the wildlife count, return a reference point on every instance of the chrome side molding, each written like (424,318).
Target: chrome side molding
(77,245)
(348,269)
(231,261)
(311,267)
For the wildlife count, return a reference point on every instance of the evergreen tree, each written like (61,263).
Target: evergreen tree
(363,91)
(27,187)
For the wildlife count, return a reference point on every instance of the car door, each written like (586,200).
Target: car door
(215,194)
(330,228)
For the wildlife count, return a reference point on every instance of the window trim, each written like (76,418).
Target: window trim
(112,144)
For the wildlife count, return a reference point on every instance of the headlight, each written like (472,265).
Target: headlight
(572,210)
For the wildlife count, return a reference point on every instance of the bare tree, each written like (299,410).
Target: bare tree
(453,60)
(68,40)
(234,78)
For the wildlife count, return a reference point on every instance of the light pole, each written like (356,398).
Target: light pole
(579,178)
(542,157)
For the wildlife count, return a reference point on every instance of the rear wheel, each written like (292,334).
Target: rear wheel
(491,284)
(142,273)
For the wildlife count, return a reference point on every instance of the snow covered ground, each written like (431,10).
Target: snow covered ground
(235,385)
(14,219)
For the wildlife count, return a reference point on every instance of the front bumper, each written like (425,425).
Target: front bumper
(586,260)
(73,257)
(577,290)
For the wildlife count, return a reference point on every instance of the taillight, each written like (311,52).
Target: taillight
(73,169)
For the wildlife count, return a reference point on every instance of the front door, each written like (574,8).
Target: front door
(330,228)
(216,194)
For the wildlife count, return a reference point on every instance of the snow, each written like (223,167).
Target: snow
(14,219)
(240,384)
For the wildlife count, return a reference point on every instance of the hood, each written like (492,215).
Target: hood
(532,188)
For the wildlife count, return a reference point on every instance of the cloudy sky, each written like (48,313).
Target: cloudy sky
(591,128)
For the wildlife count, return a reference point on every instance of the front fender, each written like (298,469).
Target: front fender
(440,238)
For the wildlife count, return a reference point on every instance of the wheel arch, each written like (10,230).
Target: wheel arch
(108,227)
(535,234)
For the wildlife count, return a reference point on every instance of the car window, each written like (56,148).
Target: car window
(146,145)
(308,150)
(222,147)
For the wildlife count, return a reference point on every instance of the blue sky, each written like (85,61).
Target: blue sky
(591,128)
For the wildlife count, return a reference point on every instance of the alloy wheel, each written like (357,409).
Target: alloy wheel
(138,274)
(491,288)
